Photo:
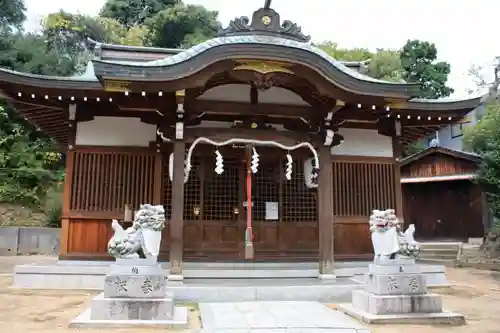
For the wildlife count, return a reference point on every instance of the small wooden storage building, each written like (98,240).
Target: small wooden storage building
(440,196)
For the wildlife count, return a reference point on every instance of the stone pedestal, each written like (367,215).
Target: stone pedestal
(395,291)
(135,293)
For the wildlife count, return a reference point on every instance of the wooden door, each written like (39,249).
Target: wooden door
(440,210)
(292,233)
(213,229)
(215,212)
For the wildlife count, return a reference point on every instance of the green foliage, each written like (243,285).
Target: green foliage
(418,59)
(53,206)
(415,148)
(159,23)
(384,64)
(484,139)
(356,54)
(12,13)
(28,162)
(181,26)
(133,12)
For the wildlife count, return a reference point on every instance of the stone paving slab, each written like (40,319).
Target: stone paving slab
(286,330)
(279,317)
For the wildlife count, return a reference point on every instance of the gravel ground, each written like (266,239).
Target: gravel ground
(476,294)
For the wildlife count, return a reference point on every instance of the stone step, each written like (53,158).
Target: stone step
(248,290)
(443,255)
(249,273)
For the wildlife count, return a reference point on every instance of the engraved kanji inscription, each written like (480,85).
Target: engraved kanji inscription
(392,283)
(135,270)
(121,285)
(413,284)
(147,286)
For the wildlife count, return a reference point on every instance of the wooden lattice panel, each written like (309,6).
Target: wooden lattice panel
(360,187)
(221,192)
(299,201)
(107,181)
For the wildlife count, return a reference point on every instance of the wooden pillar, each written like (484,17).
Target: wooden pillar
(398,187)
(325,213)
(176,221)
(70,158)
(158,176)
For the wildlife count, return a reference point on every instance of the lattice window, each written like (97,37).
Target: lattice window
(266,185)
(107,181)
(360,187)
(221,192)
(299,201)
(167,187)
(193,209)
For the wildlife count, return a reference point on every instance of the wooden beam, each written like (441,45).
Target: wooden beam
(237,108)
(222,134)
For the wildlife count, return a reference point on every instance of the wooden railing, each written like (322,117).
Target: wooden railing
(106,179)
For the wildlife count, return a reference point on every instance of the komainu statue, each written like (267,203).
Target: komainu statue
(389,242)
(145,233)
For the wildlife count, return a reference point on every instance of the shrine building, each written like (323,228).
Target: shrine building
(314,141)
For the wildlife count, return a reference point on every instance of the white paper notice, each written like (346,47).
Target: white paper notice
(272,211)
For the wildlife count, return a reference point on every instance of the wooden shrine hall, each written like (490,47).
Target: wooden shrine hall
(293,148)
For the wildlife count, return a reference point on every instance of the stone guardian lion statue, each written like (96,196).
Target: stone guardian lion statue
(145,233)
(389,242)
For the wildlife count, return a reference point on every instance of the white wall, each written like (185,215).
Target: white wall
(364,142)
(241,93)
(114,131)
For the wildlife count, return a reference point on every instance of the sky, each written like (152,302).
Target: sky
(461,29)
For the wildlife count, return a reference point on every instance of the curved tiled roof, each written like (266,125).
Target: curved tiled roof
(200,56)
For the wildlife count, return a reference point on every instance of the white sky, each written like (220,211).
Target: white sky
(464,31)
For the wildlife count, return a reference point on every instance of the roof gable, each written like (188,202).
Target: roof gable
(458,154)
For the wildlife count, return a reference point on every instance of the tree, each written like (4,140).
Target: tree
(418,59)
(336,52)
(382,64)
(181,26)
(133,12)
(484,139)
(386,65)
(12,13)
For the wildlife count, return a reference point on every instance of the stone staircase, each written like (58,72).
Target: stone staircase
(440,252)
(471,254)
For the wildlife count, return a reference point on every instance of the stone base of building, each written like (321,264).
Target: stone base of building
(90,275)
(178,321)
(441,318)
(395,292)
(394,304)
(134,291)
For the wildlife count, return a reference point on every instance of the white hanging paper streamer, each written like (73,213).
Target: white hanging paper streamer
(255,161)
(219,163)
(289,167)
(315,158)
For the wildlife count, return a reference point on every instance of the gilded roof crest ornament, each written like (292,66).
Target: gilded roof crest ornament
(265,21)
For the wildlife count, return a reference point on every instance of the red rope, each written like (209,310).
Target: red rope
(249,203)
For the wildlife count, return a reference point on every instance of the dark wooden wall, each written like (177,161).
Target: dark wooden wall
(444,210)
(103,180)
(437,164)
